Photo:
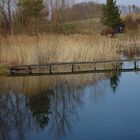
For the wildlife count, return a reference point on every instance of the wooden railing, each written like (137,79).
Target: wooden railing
(116,65)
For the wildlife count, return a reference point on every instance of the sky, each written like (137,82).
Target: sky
(119,2)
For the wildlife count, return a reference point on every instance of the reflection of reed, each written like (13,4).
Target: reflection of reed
(34,85)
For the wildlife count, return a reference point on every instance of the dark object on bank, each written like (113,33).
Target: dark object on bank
(120,28)
(14,70)
(108,31)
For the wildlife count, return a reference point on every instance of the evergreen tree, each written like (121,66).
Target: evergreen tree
(31,15)
(111,14)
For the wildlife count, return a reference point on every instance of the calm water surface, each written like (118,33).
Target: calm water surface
(82,107)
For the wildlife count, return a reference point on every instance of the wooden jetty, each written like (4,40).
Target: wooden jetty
(93,67)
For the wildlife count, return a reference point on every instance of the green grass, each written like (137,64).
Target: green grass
(70,26)
(94,20)
(94,26)
(3,70)
(88,26)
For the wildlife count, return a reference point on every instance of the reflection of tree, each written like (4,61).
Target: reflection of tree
(114,80)
(39,105)
(64,106)
(56,107)
(13,116)
(16,118)
(4,128)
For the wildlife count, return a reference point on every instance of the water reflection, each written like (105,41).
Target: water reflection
(13,116)
(39,105)
(31,105)
(63,107)
(114,80)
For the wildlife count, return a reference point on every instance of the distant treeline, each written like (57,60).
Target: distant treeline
(85,10)
(37,16)
(130,9)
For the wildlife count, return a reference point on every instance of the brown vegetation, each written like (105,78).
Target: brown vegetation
(108,31)
(130,23)
(21,17)
(43,49)
(28,43)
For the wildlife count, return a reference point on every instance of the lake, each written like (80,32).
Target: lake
(71,107)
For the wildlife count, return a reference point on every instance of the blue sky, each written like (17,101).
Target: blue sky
(119,2)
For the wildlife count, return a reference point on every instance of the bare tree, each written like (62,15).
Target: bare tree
(57,7)
(6,13)
(31,16)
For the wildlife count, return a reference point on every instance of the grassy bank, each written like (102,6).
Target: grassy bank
(88,26)
(3,70)
(15,50)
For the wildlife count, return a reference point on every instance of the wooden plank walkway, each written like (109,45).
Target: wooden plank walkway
(115,65)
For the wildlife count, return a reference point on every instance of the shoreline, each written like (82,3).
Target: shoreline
(52,48)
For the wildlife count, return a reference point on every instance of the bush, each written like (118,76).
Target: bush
(3,70)
(130,23)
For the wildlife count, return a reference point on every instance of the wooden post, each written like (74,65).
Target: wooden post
(29,70)
(116,66)
(50,69)
(72,68)
(135,64)
(121,65)
(94,66)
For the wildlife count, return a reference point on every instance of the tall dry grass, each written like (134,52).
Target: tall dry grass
(55,48)
(41,49)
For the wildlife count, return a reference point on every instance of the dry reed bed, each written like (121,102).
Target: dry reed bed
(43,49)
(56,48)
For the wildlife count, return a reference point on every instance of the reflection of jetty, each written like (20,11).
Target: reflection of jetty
(76,67)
